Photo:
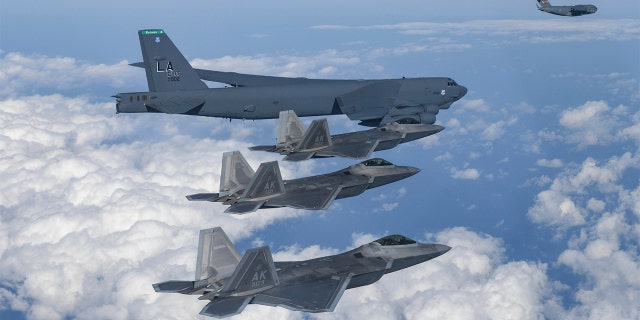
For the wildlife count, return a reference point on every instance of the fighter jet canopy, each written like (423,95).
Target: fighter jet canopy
(395,240)
(376,162)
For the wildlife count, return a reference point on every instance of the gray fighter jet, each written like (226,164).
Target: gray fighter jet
(177,88)
(246,191)
(576,10)
(316,142)
(314,285)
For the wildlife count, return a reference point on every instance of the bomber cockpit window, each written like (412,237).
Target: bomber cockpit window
(394,240)
(376,162)
(451,83)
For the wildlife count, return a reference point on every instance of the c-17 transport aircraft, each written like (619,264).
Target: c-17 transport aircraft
(316,142)
(245,191)
(314,285)
(576,10)
(176,88)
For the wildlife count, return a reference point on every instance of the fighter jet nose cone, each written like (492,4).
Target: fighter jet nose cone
(442,249)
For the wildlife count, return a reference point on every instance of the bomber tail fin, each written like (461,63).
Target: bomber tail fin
(544,3)
(167,69)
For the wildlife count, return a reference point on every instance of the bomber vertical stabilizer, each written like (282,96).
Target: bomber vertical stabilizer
(167,69)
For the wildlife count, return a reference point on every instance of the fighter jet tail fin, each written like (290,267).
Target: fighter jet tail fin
(266,183)
(544,3)
(255,273)
(316,137)
(290,128)
(167,69)
(217,256)
(236,173)
(217,260)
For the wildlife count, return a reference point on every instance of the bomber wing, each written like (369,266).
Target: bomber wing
(318,295)
(240,79)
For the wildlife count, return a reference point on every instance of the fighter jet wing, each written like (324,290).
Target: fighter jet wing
(307,198)
(317,295)
(358,150)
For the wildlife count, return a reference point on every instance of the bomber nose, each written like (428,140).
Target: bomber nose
(463,91)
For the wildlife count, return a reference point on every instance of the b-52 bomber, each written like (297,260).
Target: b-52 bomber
(316,142)
(314,285)
(177,88)
(245,191)
(570,11)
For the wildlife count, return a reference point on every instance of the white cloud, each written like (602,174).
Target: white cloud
(534,31)
(93,208)
(27,73)
(465,174)
(562,205)
(596,123)
(550,163)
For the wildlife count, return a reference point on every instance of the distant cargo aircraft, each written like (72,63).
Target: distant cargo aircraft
(315,285)
(176,88)
(245,191)
(316,142)
(576,10)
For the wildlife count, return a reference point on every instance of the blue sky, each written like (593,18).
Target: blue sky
(535,182)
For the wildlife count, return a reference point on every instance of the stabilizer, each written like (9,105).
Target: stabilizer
(290,128)
(217,256)
(316,137)
(166,68)
(217,261)
(266,183)
(255,273)
(544,3)
(236,173)
(226,307)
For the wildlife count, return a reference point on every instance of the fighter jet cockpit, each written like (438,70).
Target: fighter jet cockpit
(376,162)
(394,240)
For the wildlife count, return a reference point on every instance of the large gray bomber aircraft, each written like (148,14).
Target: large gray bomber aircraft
(245,191)
(177,88)
(314,285)
(316,142)
(570,11)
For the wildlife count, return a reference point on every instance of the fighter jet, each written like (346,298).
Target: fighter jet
(245,191)
(177,88)
(314,285)
(316,142)
(577,10)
